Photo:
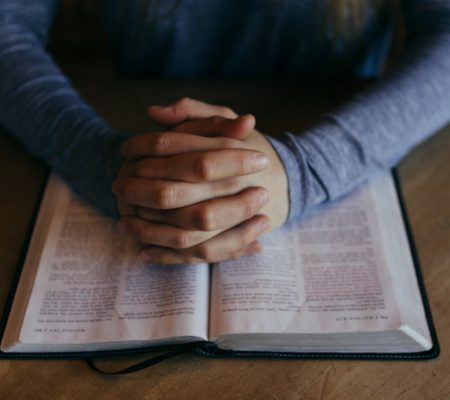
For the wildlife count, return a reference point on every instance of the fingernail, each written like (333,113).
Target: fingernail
(260,160)
(122,226)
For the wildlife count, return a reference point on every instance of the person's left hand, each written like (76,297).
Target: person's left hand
(224,236)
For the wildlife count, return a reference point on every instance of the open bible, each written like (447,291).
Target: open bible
(342,280)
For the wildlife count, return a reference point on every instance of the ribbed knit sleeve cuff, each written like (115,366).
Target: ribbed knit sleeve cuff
(304,189)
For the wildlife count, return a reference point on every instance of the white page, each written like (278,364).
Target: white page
(327,274)
(90,289)
(394,241)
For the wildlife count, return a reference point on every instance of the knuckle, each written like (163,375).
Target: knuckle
(205,219)
(165,196)
(205,252)
(204,168)
(161,143)
(182,240)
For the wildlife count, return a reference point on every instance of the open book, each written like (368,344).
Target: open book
(342,280)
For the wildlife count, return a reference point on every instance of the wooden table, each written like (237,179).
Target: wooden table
(425,179)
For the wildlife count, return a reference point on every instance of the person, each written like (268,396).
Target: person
(210,184)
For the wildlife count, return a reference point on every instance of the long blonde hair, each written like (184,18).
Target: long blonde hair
(347,19)
(344,19)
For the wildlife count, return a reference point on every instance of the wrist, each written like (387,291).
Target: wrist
(292,169)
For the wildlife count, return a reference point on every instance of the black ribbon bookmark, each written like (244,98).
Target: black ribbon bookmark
(183,348)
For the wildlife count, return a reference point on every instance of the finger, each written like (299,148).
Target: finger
(164,195)
(211,215)
(164,255)
(252,248)
(238,128)
(161,234)
(219,248)
(202,166)
(184,109)
(166,144)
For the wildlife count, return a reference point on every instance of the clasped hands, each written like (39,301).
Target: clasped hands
(204,190)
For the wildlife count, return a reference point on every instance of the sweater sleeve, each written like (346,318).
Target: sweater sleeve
(39,107)
(378,126)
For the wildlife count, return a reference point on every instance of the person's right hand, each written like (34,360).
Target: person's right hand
(186,189)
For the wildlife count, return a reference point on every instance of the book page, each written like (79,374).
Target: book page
(394,241)
(327,274)
(90,289)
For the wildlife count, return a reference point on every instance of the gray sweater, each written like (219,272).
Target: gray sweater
(234,38)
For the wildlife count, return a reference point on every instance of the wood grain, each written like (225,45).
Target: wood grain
(425,179)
